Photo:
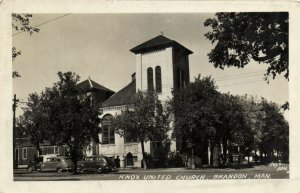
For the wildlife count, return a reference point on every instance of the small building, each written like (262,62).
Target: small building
(26,152)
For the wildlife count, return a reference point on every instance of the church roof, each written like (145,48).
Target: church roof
(157,43)
(89,85)
(123,97)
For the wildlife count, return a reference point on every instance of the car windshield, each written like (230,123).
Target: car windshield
(89,159)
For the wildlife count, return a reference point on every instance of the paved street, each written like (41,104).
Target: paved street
(257,172)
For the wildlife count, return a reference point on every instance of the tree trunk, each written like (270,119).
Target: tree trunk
(144,156)
(73,152)
(211,154)
(229,155)
(224,142)
(39,149)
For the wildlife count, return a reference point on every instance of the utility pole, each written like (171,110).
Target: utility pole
(14,107)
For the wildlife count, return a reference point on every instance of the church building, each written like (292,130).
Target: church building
(161,64)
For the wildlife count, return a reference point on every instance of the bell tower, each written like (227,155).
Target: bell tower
(162,65)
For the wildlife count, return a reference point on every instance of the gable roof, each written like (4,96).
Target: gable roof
(156,43)
(123,97)
(89,85)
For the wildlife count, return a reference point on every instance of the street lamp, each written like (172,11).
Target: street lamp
(190,144)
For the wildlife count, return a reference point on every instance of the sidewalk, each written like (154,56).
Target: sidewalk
(204,168)
(184,169)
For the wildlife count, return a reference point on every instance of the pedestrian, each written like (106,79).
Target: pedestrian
(113,160)
(117,161)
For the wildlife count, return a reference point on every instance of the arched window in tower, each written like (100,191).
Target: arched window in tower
(150,78)
(158,79)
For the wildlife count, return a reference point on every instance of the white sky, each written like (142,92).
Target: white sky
(97,45)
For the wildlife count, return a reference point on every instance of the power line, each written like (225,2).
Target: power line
(52,20)
(34,18)
(249,82)
(238,77)
(239,74)
(43,23)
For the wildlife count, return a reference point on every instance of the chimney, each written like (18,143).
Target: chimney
(133,76)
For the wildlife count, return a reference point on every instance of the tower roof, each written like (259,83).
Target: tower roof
(157,43)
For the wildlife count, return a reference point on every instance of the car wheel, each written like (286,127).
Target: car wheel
(100,170)
(59,170)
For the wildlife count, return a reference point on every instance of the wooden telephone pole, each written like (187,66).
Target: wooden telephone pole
(14,107)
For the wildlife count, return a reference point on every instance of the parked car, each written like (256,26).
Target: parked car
(96,164)
(54,163)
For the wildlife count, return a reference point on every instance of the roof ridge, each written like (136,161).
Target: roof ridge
(159,41)
(90,82)
(120,90)
(123,96)
(103,87)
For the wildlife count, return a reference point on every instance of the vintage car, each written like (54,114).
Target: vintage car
(96,164)
(54,163)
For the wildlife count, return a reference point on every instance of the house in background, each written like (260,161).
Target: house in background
(26,152)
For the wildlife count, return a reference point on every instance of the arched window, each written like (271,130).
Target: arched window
(158,79)
(150,78)
(108,134)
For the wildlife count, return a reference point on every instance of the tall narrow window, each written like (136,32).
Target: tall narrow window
(178,78)
(158,79)
(105,134)
(108,133)
(150,78)
(182,78)
(56,150)
(24,153)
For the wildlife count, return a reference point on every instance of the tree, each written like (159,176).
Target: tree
(195,117)
(33,120)
(275,133)
(21,23)
(224,122)
(146,119)
(253,117)
(234,128)
(62,115)
(240,37)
